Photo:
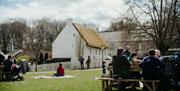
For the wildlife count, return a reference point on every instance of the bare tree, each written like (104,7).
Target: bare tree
(16,34)
(125,23)
(4,38)
(163,19)
(43,34)
(12,35)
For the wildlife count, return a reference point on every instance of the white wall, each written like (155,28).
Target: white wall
(96,56)
(62,46)
(69,44)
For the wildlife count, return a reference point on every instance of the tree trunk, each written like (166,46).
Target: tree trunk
(163,48)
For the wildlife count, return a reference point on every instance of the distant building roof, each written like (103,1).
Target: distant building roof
(91,37)
(116,36)
(112,36)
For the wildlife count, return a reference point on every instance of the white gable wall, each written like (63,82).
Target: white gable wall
(62,46)
(70,44)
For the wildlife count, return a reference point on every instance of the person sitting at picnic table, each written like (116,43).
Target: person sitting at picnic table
(135,69)
(158,53)
(60,70)
(135,65)
(150,66)
(121,67)
(7,64)
(1,58)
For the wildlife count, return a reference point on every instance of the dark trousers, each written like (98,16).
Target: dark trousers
(82,66)
(166,83)
(177,85)
(88,66)
(58,75)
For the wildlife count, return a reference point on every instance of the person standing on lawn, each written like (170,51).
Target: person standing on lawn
(88,62)
(81,60)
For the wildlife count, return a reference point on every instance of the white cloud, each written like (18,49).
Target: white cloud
(99,12)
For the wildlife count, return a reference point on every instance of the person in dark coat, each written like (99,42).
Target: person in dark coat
(151,67)
(1,58)
(7,64)
(88,62)
(121,67)
(127,51)
(104,67)
(120,64)
(81,60)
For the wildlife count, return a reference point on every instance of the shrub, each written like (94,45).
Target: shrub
(26,57)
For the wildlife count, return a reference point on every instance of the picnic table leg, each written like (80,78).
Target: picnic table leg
(110,85)
(154,86)
(148,87)
(107,86)
(103,87)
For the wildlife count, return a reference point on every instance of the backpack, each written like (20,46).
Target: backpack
(169,66)
(176,57)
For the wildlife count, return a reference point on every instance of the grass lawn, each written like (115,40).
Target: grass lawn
(83,81)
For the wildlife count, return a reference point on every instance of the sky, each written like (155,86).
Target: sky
(98,12)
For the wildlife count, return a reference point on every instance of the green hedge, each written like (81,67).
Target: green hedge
(23,57)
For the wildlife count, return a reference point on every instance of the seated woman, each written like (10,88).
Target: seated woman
(15,72)
(135,69)
(134,63)
(60,70)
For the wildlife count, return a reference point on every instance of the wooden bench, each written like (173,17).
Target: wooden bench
(1,73)
(6,76)
(107,83)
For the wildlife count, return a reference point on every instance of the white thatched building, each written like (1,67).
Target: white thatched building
(75,41)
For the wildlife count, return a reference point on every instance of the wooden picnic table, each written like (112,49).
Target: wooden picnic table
(110,69)
(107,83)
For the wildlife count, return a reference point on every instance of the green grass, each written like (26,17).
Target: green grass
(83,81)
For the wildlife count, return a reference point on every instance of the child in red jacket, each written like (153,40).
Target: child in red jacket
(60,70)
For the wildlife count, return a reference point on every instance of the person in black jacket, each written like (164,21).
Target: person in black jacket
(121,64)
(121,67)
(127,51)
(1,58)
(81,60)
(151,67)
(7,64)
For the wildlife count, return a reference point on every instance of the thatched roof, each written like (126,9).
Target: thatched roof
(91,37)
